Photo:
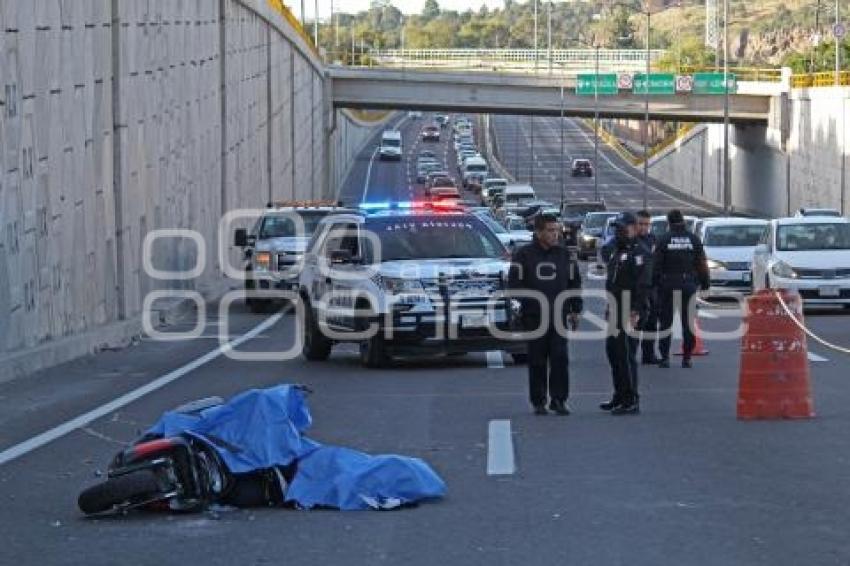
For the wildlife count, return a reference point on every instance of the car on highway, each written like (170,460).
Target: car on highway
(509,239)
(425,153)
(474,167)
(414,114)
(810,255)
(517,194)
(442,120)
(817,212)
(572,217)
(659,224)
(729,245)
(405,280)
(581,168)
(438,174)
(591,233)
(430,133)
(391,145)
(424,168)
(273,249)
(518,228)
(490,187)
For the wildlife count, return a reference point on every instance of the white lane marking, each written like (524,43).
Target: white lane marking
(369,174)
(500,449)
(816,358)
(85,419)
(707,314)
(495,360)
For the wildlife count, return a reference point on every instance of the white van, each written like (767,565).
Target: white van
(474,166)
(391,145)
(518,194)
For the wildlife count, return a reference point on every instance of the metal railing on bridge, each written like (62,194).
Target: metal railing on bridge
(820,79)
(541,59)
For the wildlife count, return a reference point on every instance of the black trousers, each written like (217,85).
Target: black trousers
(668,305)
(649,325)
(622,356)
(548,368)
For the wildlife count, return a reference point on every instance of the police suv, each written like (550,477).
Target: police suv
(404,279)
(274,248)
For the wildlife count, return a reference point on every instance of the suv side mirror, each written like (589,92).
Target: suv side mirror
(240,237)
(341,257)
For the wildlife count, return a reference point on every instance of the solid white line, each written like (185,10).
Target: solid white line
(369,174)
(49,436)
(495,360)
(816,358)
(500,449)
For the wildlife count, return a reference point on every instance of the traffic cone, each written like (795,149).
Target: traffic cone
(774,377)
(699,345)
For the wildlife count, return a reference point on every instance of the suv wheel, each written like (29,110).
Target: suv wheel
(373,352)
(317,347)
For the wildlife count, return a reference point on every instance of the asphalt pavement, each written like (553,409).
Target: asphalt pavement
(682,483)
(539,151)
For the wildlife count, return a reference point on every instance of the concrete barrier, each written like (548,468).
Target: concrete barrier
(120,118)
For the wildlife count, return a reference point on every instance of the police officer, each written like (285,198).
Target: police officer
(628,278)
(649,323)
(549,268)
(680,270)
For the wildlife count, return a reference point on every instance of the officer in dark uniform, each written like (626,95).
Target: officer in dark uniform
(628,278)
(681,270)
(549,268)
(649,323)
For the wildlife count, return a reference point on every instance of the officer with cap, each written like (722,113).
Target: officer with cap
(649,322)
(681,269)
(628,279)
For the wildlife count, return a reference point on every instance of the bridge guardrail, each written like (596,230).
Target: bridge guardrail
(825,79)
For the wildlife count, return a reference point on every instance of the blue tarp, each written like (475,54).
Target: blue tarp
(262,429)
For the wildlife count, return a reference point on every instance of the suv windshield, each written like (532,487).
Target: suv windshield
(575,210)
(433,237)
(492,223)
(597,220)
(733,236)
(390,142)
(285,227)
(803,237)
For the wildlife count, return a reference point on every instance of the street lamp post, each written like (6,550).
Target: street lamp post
(549,34)
(837,46)
(535,38)
(563,166)
(646,111)
(596,127)
(316,23)
(727,187)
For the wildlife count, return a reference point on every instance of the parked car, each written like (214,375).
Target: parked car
(729,246)
(810,255)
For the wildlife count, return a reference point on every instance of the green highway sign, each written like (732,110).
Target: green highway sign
(589,84)
(659,83)
(712,83)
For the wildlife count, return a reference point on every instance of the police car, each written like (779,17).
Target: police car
(405,279)
(274,247)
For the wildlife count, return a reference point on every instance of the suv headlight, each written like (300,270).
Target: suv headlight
(714,264)
(262,260)
(782,269)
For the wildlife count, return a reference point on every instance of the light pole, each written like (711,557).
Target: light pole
(837,46)
(563,166)
(596,126)
(646,110)
(727,178)
(303,16)
(316,23)
(535,37)
(549,34)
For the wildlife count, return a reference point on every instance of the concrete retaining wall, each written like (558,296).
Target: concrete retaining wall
(118,117)
(771,174)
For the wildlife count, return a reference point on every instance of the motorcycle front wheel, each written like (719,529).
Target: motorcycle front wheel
(119,492)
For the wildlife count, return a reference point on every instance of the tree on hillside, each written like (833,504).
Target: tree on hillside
(431,10)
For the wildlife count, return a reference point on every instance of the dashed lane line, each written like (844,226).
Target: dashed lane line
(85,419)
(500,449)
(495,359)
(816,358)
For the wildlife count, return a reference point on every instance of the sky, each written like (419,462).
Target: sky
(406,6)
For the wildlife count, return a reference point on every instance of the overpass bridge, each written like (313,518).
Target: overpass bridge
(504,93)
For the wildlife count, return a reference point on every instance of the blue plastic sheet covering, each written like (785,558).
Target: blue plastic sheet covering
(261,429)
